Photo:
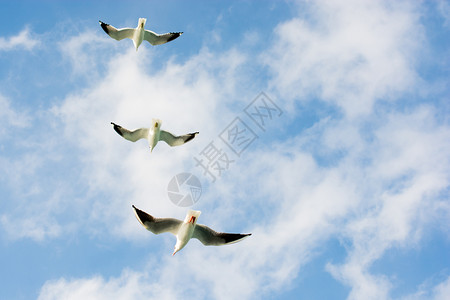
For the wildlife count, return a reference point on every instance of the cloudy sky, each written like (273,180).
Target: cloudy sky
(340,170)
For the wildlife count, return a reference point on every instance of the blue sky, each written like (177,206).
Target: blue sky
(345,190)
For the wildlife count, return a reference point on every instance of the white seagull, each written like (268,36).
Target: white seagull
(139,34)
(153,134)
(187,229)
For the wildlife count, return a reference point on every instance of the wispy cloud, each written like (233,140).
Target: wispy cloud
(11,117)
(304,205)
(348,55)
(183,96)
(78,51)
(27,150)
(442,290)
(444,9)
(24,40)
(370,178)
(129,285)
(429,290)
(407,169)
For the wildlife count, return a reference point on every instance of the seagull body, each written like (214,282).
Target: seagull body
(139,34)
(154,134)
(187,229)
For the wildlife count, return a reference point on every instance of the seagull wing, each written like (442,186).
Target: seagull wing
(141,133)
(157,225)
(117,34)
(209,237)
(172,140)
(158,39)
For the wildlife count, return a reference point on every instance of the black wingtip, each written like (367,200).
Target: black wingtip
(117,128)
(142,216)
(191,136)
(234,237)
(104,26)
(174,36)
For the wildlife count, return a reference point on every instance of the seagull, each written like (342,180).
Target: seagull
(187,229)
(139,34)
(153,135)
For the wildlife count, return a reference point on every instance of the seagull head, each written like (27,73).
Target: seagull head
(156,125)
(178,246)
(141,23)
(181,242)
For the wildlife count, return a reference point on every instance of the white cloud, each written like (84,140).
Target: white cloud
(407,169)
(379,193)
(182,95)
(23,40)
(427,290)
(27,149)
(78,51)
(40,225)
(187,97)
(349,54)
(300,205)
(442,290)
(129,285)
(31,201)
(444,9)
(11,118)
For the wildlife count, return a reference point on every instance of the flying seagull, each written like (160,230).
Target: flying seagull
(187,229)
(139,34)
(153,135)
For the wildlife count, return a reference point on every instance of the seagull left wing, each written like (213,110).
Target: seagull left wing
(157,225)
(117,34)
(135,135)
(172,140)
(209,237)
(159,39)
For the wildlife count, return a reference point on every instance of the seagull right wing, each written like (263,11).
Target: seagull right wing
(157,225)
(172,140)
(117,34)
(159,39)
(209,237)
(141,133)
